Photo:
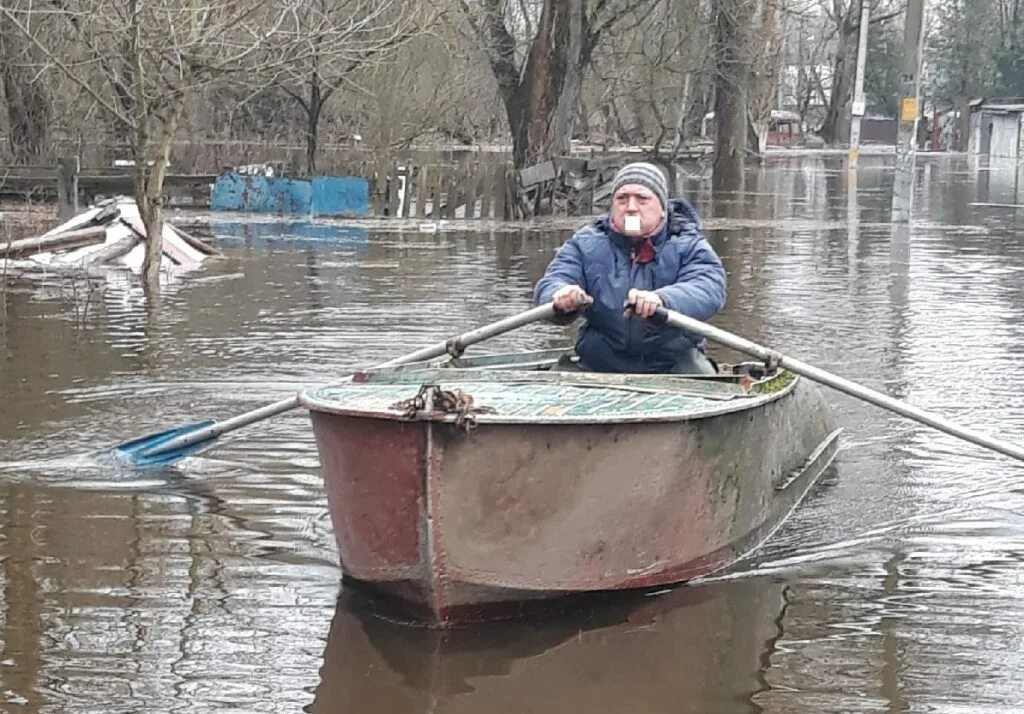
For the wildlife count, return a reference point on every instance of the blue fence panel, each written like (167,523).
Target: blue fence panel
(234,192)
(324,195)
(288,196)
(341,196)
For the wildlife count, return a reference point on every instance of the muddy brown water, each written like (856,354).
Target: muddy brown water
(898,585)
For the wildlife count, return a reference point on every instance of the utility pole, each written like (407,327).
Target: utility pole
(910,93)
(857,110)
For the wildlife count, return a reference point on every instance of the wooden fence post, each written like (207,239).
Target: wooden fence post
(394,186)
(452,192)
(435,208)
(501,192)
(409,192)
(67,187)
(377,185)
(487,177)
(422,192)
(472,176)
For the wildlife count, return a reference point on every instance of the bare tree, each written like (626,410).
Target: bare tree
(845,19)
(963,57)
(539,51)
(1009,49)
(846,16)
(430,93)
(765,48)
(646,82)
(139,61)
(733,30)
(29,110)
(326,42)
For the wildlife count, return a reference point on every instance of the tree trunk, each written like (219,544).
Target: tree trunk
(680,132)
(540,98)
(149,195)
(836,127)
(731,23)
(314,108)
(627,125)
(152,214)
(757,137)
(763,78)
(577,57)
(583,121)
(541,110)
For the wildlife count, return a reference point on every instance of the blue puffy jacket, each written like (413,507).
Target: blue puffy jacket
(685,272)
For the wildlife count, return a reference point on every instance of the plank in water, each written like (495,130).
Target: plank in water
(61,241)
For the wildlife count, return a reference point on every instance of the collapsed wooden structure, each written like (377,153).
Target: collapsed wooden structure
(109,234)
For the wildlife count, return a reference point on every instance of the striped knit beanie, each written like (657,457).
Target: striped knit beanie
(644,174)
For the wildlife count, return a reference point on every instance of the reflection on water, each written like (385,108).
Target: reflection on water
(895,586)
(631,655)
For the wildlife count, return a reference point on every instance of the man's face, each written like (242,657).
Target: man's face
(636,211)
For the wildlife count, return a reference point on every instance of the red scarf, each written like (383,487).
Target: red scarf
(645,253)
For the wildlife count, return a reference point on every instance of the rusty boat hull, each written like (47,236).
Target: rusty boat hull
(601,482)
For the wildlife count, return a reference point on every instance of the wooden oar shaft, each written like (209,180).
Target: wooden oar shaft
(458,343)
(839,383)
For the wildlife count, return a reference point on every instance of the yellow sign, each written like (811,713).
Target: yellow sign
(908,111)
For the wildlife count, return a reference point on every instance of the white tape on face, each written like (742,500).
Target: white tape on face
(631,224)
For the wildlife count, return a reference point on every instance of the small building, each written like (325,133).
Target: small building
(996,130)
(878,129)
(784,128)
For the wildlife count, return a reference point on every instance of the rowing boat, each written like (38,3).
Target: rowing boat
(472,488)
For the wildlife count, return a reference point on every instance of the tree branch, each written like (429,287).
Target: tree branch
(598,25)
(296,96)
(879,19)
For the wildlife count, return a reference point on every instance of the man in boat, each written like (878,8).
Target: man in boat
(647,252)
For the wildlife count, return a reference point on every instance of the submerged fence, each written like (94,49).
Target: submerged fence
(484,188)
(450,184)
(466,190)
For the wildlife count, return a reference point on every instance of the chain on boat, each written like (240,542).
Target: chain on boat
(434,400)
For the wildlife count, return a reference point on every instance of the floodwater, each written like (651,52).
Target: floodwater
(898,585)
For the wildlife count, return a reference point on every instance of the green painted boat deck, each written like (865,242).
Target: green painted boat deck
(520,396)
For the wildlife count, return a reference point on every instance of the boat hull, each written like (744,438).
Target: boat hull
(475,525)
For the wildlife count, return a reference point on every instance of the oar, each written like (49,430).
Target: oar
(168,446)
(663,316)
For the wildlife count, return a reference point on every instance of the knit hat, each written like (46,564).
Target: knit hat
(644,174)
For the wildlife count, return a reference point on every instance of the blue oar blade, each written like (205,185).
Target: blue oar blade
(135,450)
